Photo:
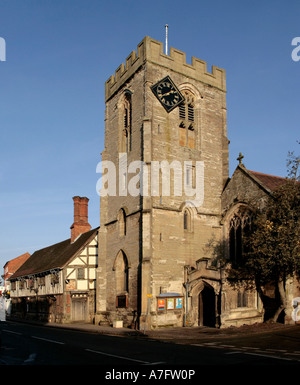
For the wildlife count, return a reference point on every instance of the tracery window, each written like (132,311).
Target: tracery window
(239,227)
(187,120)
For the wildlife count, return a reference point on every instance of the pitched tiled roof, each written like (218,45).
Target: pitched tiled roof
(15,263)
(271,182)
(53,257)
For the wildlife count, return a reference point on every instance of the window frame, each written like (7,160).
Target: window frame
(187,120)
(239,224)
(126,123)
(187,220)
(80,273)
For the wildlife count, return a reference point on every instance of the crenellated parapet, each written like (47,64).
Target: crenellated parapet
(151,50)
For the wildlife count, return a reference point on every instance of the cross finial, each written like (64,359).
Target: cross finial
(240,158)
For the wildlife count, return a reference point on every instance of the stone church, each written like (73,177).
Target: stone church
(170,201)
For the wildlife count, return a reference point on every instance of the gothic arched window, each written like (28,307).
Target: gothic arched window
(125,143)
(187,220)
(239,227)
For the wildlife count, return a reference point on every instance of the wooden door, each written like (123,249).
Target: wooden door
(79,310)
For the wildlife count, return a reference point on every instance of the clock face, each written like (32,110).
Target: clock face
(167,93)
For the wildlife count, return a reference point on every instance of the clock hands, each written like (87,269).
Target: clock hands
(168,93)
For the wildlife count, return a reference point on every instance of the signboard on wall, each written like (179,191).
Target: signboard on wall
(169,301)
(161,304)
(178,303)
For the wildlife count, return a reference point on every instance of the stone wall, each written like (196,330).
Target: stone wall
(156,244)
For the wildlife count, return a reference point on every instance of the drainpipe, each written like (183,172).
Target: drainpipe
(186,286)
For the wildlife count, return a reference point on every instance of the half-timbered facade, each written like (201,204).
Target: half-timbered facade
(57,283)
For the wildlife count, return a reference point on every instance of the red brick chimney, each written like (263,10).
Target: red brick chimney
(80,224)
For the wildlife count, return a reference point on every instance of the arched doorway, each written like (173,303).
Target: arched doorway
(207,307)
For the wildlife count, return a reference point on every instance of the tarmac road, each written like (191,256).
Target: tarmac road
(276,340)
(55,344)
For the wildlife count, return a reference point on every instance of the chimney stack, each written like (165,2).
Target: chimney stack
(80,224)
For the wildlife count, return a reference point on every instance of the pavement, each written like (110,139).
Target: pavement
(277,340)
(263,335)
(194,333)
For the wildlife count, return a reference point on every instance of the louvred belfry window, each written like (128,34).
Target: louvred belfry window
(187,121)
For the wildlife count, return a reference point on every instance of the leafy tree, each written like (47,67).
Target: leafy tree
(293,163)
(274,245)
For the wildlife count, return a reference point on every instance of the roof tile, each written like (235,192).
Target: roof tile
(271,182)
(53,257)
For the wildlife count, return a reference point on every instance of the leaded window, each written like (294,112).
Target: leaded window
(239,227)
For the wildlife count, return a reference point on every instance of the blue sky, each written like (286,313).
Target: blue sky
(59,53)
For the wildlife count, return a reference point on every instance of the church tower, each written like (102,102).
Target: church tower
(165,164)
